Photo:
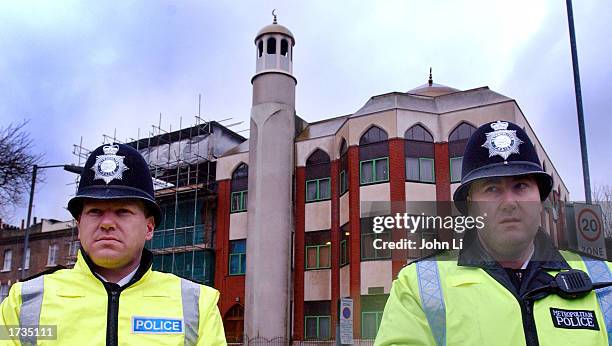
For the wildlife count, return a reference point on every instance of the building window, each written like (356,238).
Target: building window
(193,265)
(370,324)
(74,248)
(374,171)
(318,176)
(457,140)
(4,290)
(368,237)
(374,135)
(343,252)
(237,257)
(318,256)
(373,156)
(239,201)
(239,189)
(317,189)
(27,259)
(343,167)
(343,183)
(317,320)
(259,49)
(455,169)
(318,250)
(52,258)
(317,327)
(8,260)
(344,246)
(372,307)
(419,151)
(233,323)
(181,223)
(420,169)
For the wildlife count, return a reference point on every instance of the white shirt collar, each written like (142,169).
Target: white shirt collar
(529,259)
(123,281)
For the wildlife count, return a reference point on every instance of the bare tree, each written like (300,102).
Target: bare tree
(602,195)
(16,163)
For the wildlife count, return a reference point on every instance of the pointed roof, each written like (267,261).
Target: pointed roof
(432,89)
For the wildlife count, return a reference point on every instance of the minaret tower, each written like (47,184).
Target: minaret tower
(271,168)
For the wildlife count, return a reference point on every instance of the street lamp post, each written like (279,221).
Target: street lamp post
(581,129)
(35,168)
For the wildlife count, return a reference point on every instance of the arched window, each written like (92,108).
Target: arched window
(260,48)
(373,156)
(374,135)
(456,146)
(284,47)
(318,183)
(233,323)
(271,46)
(239,188)
(343,167)
(419,152)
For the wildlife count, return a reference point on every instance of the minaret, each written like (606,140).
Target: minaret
(270,203)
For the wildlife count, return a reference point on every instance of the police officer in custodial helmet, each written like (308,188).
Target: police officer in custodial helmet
(112,296)
(508,285)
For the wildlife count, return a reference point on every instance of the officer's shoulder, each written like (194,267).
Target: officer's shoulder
(45,272)
(187,282)
(436,256)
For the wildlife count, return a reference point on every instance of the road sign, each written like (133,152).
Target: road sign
(346,321)
(589,229)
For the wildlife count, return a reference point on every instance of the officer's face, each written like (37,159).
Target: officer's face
(512,209)
(113,233)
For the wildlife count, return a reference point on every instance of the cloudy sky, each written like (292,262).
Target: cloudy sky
(81,69)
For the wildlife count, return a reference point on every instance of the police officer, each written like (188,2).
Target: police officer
(501,287)
(112,296)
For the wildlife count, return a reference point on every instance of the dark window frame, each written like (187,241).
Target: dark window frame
(243,197)
(318,264)
(375,178)
(318,197)
(241,259)
(317,319)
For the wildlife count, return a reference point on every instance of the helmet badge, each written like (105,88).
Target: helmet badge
(501,141)
(109,166)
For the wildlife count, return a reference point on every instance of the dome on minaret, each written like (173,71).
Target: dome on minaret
(275,28)
(274,44)
(432,89)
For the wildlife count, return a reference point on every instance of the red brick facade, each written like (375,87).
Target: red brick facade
(299,249)
(355,237)
(231,286)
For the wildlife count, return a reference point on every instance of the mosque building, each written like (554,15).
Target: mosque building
(292,220)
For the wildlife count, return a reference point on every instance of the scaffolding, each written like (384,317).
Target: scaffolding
(182,164)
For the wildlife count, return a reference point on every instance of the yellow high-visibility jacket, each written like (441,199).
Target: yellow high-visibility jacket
(152,309)
(462,299)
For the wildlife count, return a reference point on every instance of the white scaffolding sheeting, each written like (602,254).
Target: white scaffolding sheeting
(171,155)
